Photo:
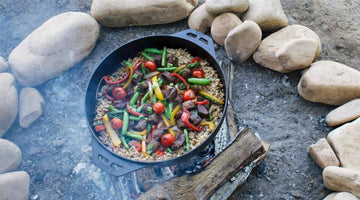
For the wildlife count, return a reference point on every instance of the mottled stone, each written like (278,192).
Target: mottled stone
(222,6)
(267,13)
(291,48)
(346,144)
(54,47)
(242,41)
(322,154)
(344,113)
(121,13)
(222,25)
(342,179)
(31,104)
(8,102)
(330,82)
(201,20)
(14,186)
(10,156)
(345,196)
(3,64)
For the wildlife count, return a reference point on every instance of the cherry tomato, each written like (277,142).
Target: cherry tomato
(118,93)
(99,128)
(116,123)
(198,73)
(196,59)
(151,65)
(167,139)
(189,95)
(158,107)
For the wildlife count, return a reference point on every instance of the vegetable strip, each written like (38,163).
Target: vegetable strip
(211,97)
(112,133)
(147,56)
(187,142)
(131,72)
(172,118)
(157,90)
(199,81)
(167,69)
(153,50)
(181,78)
(163,59)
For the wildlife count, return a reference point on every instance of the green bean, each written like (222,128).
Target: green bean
(199,81)
(169,65)
(168,150)
(145,97)
(128,63)
(147,56)
(153,50)
(132,135)
(148,128)
(134,98)
(99,122)
(143,68)
(187,143)
(166,69)
(149,149)
(163,59)
(134,118)
(193,64)
(122,138)
(125,123)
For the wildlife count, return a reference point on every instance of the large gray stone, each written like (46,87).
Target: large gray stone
(242,41)
(222,25)
(121,13)
(54,47)
(222,6)
(8,102)
(344,113)
(31,104)
(322,154)
(342,180)
(14,186)
(345,141)
(330,82)
(291,48)
(267,13)
(200,19)
(3,64)
(10,156)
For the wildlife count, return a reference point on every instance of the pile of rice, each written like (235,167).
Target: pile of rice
(215,88)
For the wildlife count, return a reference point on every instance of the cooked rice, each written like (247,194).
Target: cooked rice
(215,88)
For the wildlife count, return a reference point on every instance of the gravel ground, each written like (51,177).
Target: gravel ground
(56,147)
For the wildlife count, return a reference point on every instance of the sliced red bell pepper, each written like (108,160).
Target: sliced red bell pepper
(108,96)
(185,118)
(108,80)
(152,131)
(137,145)
(159,152)
(133,112)
(99,128)
(181,78)
(137,65)
(202,102)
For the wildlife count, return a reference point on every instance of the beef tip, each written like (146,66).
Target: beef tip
(157,133)
(141,125)
(180,139)
(194,118)
(154,118)
(157,59)
(196,88)
(177,131)
(137,78)
(129,91)
(203,112)
(146,106)
(171,94)
(178,114)
(173,60)
(119,104)
(168,77)
(188,105)
(180,124)
(178,99)
(186,73)
(155,144)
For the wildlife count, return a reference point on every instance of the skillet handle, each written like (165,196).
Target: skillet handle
(199,38)
(110,163)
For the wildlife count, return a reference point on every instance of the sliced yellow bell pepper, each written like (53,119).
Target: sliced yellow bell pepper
(112,133)
(143,145)
(130,69)
(166,121)
(157,90)
(172,118)
(211,97)
(139,133)
(210,124)
(179,68)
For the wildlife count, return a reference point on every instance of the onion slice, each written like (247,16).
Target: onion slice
(151,74)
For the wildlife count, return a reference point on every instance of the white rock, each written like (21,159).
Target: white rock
(8,102)
(3,64)
(14,186)
(222,6)
(322,154)
(345,196)
(267,13)
(330,82)
(121,13)
(31,105)
(222,25)
(342,179)
(345,141)
(291,48)
(54,47)
(10,156)
(331,196)
(200,19)
(242,41)
(344,113)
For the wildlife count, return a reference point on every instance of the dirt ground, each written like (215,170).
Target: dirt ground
(56,147)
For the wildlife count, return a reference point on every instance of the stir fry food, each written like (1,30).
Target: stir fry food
(159,105)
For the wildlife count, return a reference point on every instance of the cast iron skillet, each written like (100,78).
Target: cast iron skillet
(197,44)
